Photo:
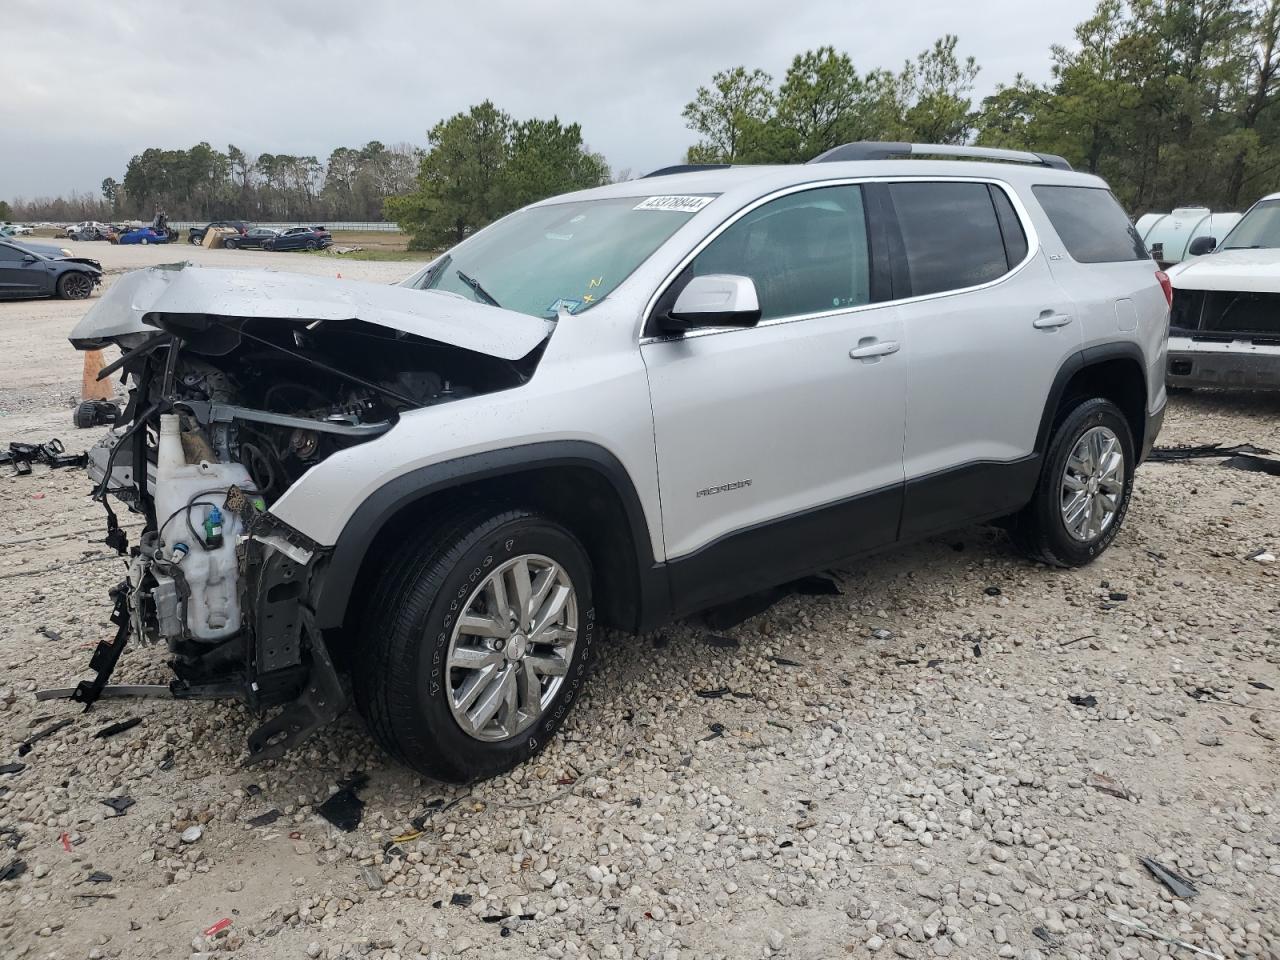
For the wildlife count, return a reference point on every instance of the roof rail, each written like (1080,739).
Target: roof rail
(685,168)
(872,150)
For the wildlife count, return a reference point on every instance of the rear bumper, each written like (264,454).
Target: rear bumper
(1238,363)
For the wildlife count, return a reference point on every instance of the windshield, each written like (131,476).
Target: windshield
(565,255)
(1259,228)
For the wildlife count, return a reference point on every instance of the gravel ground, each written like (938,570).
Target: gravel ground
(910,779)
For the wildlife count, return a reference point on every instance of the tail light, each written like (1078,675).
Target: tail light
(1166,285)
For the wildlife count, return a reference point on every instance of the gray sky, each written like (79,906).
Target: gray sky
(90,83)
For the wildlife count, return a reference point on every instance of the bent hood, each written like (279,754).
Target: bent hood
(134,302)
(1255,271)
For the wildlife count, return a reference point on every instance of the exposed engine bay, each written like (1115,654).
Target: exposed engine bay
(225,413)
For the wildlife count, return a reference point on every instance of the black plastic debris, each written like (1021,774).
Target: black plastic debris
(99,877)
(1178,885)
(13,870)
(1204,451)
(12,767)
(720,642)
(344,809)
(715,693)
(1202,693)
(166,762)
(119,804)
(253,789)
(264,819)
(977,649)
(1117,595)
(1259,685)
(498,918)
(992,591)
(934,663)
(717,730)
(1043,934)
(25,746)
(786,843)
(1089,700)
(784,662)
(461,900)
(111,729)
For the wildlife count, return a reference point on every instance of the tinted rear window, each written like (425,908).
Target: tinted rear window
(950,233)
(1091,224)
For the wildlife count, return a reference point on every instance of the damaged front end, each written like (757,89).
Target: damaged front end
(239,384)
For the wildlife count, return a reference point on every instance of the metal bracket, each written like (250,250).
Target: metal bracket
(107,654)
(321,701)
(206,412)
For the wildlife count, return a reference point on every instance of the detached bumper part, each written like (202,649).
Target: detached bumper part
(1244,364)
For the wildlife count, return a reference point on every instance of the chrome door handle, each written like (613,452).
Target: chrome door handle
(870,347)
(1048,320)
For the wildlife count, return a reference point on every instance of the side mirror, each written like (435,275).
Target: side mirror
(714,300)
(29,258)
(1202,245)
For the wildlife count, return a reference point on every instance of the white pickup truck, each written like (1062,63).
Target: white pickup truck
(1224,329)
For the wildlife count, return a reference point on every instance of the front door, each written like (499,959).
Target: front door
(20,277)
(780,446)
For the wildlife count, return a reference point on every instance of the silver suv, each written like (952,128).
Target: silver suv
(612,409)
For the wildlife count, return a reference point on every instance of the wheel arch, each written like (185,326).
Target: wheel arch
(1114,371)
(577,483)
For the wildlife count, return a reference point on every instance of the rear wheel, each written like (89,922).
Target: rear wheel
(1084,489)
(230,244)
(195,241)
(312,245)
(75,285)
(477,643)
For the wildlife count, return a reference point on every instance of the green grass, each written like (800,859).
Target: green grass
(409,255)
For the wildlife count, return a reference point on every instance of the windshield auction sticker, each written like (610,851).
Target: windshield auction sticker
(674,204)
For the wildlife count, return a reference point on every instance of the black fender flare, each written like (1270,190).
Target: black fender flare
(349,552)
(1080,360)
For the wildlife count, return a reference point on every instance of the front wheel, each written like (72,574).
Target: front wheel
(195,241)
(1085,485)
(476,644)
(75,285)
(144,241)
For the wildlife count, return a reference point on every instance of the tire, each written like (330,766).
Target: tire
(230,244)
(405,686)
(75,285)
(194,240)
(144,241)
(312,245)
(1043,529)
(268,245)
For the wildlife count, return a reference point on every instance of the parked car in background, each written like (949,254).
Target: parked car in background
(26,272)
(15,230)
(254,237)
(90,230)
(195,235)
(144,235)
(1224,330)
(300,238)
(1169,235)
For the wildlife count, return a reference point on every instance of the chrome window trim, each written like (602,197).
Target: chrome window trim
(1019,209)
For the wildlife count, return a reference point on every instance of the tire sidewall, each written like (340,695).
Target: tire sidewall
(1086,416)
(435,721)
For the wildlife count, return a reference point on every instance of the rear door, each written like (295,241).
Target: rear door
(989,328)
(780,446)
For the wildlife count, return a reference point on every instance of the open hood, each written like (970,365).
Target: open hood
(134,302)
(1256,271)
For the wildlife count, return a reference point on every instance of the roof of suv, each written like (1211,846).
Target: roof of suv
(750,181)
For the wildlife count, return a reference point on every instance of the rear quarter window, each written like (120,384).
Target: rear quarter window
(1093,226)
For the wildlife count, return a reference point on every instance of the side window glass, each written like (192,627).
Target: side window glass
(9,253)
(950,233)
(1015,238)
(807,252)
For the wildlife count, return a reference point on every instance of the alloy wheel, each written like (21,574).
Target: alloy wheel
(511,647)
(1093,484)
(77,286)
